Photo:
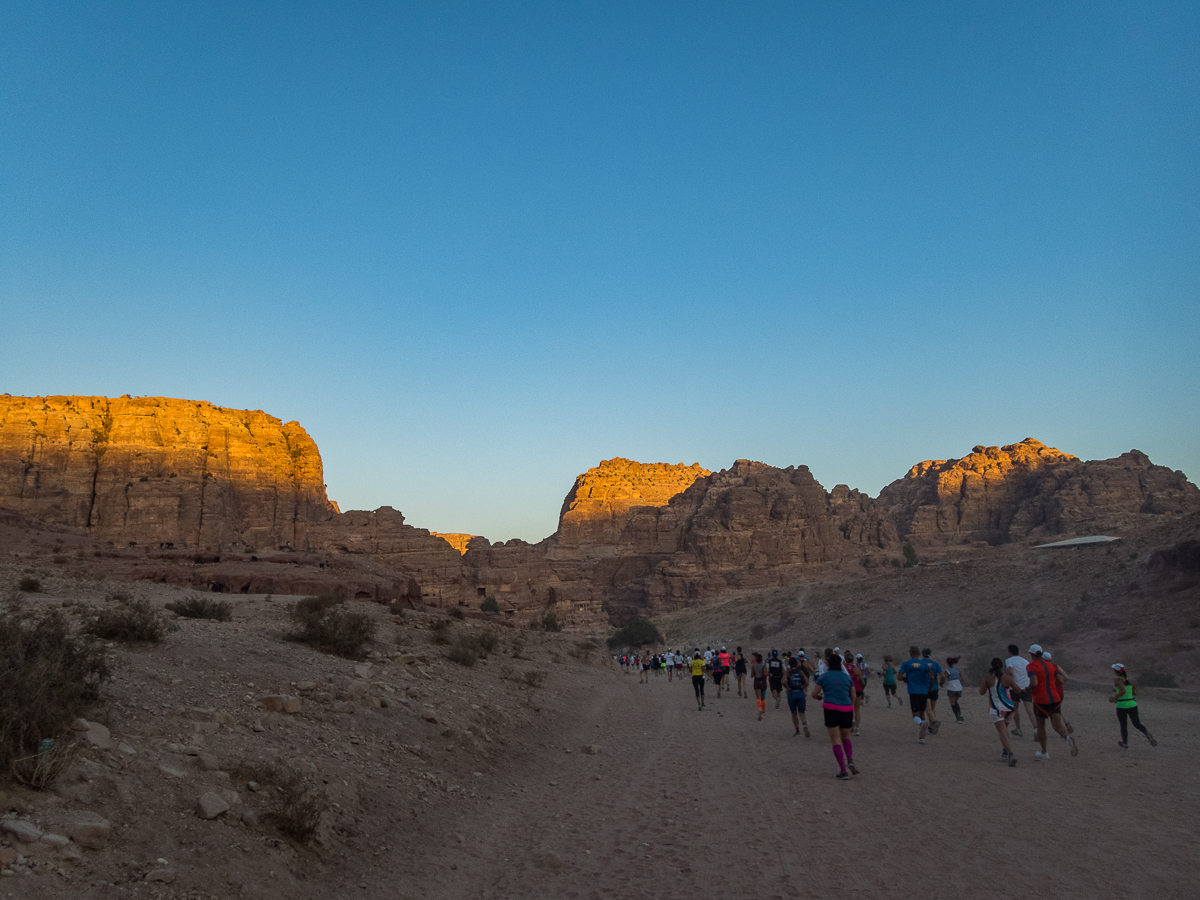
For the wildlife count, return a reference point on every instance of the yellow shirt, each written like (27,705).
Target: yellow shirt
(697,666)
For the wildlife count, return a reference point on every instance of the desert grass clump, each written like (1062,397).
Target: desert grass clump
(29,585)
(464,652)
(324,623)
(441,631)
(195,606)
(42,769)
(48,677)
(135,622)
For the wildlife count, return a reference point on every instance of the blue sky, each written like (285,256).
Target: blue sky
(476,248)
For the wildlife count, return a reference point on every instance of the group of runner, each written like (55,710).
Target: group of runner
(839,681)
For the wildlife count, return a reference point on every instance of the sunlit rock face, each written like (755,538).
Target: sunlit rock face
(750,526)
(1029,490)
(596,509)
(153,470)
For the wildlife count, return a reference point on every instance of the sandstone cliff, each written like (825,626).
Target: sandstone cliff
(1029,490)
(595,509)
(152,470)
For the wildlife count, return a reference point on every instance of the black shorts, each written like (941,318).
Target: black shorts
(933,696)
(776,684)
(718,674)
(953,695)
(838,718)
(1046,710)
(918,702)
(889,689)
(1026,696)
(740,670)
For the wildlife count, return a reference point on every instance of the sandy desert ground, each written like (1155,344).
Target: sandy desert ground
(469,783)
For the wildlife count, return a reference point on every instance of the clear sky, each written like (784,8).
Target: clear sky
(476,248)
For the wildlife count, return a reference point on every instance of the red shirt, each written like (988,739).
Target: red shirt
(1048,689)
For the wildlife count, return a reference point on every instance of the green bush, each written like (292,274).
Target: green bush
(550,622)
(48,677)
(490,605)
(910,556)
(441,631)
(131,623)
(324,623)
(488,642)
(456,613)
(1155,676)
(294,804)
(195,606)
(758,632)
(637,633)
(463,652)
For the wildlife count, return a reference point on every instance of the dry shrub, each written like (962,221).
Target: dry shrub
(464,652)
(48,677)
(131,623)
(29,585)
(294,804)
(324,623)
(441,631)
(194,606)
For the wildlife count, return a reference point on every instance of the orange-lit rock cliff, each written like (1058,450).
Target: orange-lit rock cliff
(1029,490)
(152,470)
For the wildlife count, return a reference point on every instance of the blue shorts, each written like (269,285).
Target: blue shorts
(797,701)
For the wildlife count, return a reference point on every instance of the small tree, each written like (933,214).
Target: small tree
(637,633)
(910,556)
(489,604)
(550,622)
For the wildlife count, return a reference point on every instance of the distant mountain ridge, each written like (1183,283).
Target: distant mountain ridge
(165,473)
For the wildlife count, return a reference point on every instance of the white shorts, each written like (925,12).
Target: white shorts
(999,716)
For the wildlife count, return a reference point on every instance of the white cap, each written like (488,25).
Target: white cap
(837,649)
(1046,654)
(1035,648)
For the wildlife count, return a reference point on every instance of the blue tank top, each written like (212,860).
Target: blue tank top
(796,681)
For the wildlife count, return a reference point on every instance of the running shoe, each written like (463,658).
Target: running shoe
(933,729)
(852,767)
(1074,747)
(807,733)
(842,776)
(797,734)
(1121,745)
(920,740)
(856,732)
(1038,754)
(1150,738)
(921,733)
(1016,732)
(1012,760)
(777,704)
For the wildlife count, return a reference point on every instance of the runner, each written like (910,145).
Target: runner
(797,683)
(1019,667)
(888,672)
(725,661)
(679,661)
(835,690)
(915,675)
(1125,696)
(775,675)
(718,674)
(935,682)
(864,672)
(852,670)
(758,674)
(645,679)
(739,668)
(1000,689)
(954,687)
(669,662)
(1046,682)
(697,668)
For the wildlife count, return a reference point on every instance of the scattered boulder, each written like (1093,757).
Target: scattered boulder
(57,841)
(592,749)
(211,805)
(90,830)
(283,703)
(8,856)
(164,875)
(25,832)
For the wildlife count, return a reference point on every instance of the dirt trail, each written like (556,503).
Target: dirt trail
(638,819)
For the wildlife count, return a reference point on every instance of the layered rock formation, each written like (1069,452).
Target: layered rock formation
(152,470)
(159,473)
(1029,490)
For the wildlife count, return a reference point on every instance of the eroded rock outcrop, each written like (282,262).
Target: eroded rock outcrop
(1000,494)
(154,471)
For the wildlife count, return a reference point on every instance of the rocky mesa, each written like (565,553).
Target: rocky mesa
(162,472)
